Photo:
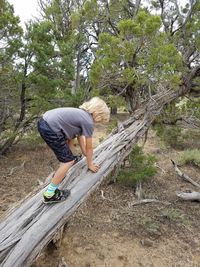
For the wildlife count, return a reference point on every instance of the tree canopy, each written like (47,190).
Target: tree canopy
(125,51)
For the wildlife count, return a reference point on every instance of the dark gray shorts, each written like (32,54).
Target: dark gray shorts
(56,141)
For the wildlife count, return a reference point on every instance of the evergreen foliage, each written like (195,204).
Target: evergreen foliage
(140,167)
(119,50)
(170,135)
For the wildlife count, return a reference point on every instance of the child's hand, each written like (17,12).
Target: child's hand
(93,167)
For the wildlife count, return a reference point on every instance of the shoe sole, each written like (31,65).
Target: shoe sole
(51,202)
(54,201)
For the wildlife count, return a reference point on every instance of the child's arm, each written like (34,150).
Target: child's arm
(81,141)
(89,152)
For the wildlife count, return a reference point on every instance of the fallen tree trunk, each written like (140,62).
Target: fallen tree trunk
(26,229)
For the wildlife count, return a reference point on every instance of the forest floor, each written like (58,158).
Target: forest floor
(107,231)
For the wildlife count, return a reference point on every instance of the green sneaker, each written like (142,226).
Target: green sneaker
(59,196)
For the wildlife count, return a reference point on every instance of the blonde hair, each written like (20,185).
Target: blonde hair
(98,108)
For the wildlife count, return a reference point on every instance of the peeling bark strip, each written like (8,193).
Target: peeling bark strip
(29,227)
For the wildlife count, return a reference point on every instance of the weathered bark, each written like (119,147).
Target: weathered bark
(29,227)
(132,99)
(76,85)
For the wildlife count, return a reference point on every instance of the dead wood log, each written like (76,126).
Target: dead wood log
(189,195)
(192,195)
(26,229)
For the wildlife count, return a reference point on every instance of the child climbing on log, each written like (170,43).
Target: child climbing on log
(58,127)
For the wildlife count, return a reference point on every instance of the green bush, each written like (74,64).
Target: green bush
(177,137)
(140,167)
(170,135)
(32,138)
(174,215)
(190,156)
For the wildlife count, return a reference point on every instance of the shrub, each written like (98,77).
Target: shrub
(32,138)
(140,167)
(170,135)
(190,156)
(175,215)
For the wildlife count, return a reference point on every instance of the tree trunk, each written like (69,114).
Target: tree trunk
(8,143)
(76,84)
(19,123)
(113,110)
(29,227)
(132,99)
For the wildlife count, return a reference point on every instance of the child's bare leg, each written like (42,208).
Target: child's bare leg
(61,172)
(50,194)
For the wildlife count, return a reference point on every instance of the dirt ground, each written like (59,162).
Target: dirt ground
(107,231)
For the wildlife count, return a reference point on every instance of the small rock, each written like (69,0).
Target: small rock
(63,263)
(115,234)
(79,250)
(101,257)
(147,242)
(122,257)
(89,247)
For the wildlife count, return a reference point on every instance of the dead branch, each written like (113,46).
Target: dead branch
(138,191)
(15,168)
(104,198)
(146,201)
(63,263)
(163,171)
(184,176)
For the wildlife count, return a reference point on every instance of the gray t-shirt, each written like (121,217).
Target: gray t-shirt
(71,121)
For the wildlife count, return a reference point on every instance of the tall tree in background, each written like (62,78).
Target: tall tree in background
(142,58)
(91,20)
(10,42)
(182,25)
(81,48)
(42,70)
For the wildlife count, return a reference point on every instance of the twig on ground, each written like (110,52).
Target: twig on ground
(15,168)
(102,195)
(138,191)
(163,171)
(40,182)
(63,263)
(145,201)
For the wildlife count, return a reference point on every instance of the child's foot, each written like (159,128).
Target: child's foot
(59,196)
